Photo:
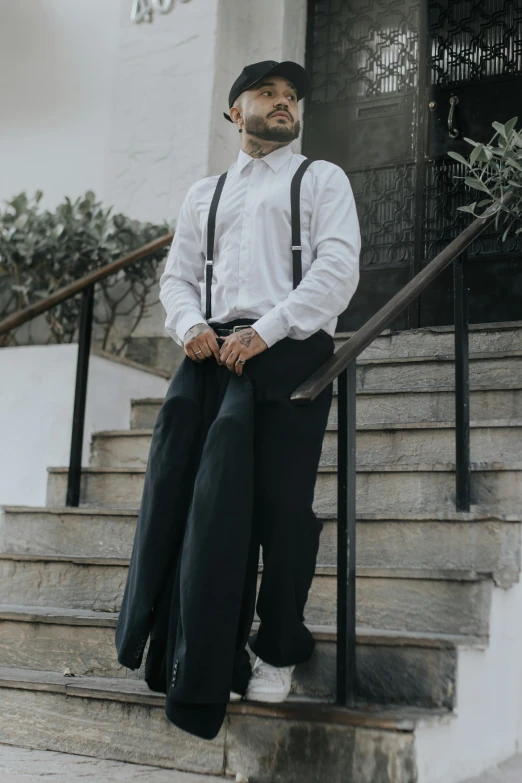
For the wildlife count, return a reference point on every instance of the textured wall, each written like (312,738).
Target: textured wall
(161,107)
(36,407)
(56,62)
(91,100)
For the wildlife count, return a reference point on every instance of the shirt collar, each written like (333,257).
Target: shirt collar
(274,159)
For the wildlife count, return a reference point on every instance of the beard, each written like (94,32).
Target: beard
(257,126)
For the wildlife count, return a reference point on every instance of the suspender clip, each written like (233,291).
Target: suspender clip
(296,247)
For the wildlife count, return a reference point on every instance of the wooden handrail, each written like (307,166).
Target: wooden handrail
(363,337)
(28,313)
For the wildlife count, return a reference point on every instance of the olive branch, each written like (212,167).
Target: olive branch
(495,169)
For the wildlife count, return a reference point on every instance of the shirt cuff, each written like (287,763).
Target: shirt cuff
(187,322)
(269,328)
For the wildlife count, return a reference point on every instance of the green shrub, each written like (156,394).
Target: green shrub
(43,250)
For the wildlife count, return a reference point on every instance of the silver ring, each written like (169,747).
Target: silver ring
(241,361)
(198,351)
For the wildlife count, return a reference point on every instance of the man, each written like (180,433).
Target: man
(252,280)
(286,334)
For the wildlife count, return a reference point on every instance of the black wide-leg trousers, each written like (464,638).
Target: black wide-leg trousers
(288,440)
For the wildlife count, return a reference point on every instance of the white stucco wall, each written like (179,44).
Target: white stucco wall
(163,81)
(36,406)
(483,730)
(91,100)
(56,61)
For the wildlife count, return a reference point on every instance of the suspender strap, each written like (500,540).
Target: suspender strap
(295,193)
(211,230)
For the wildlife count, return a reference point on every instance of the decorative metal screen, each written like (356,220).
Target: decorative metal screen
(375,65)
(471,43)
(385,202)
(473,40)
(363,49)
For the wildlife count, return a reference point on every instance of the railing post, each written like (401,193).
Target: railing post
(462,451)
(80,395)
(346,511)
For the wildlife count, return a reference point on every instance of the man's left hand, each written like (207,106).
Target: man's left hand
(241,345)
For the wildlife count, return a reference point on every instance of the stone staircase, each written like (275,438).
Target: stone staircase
(439,648)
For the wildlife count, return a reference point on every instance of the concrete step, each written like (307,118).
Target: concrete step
(405,444)
(392,667)
(434,601)
(380,488)
(123,720)
(163,352)
(475,541)
(440,340)
(502,369)
(421,371)
(390,406)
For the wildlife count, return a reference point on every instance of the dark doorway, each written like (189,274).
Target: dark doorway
(384,76)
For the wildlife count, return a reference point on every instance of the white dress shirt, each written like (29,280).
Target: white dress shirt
(252,276)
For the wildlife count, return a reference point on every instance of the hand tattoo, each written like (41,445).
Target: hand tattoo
(194,331)
(245,336)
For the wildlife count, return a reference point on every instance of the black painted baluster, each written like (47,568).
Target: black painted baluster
(462,451)
(346,511)
(80,395)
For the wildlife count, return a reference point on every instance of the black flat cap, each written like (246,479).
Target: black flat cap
(251,74)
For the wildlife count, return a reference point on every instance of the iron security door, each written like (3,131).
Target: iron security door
(383,72)
(361,113)
(475,78)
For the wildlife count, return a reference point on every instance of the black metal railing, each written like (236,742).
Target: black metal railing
(342,365)
(85,286)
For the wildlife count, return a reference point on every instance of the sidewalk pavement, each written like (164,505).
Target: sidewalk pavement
(23,765)
(508,772)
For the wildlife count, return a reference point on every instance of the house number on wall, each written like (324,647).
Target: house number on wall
(142,10)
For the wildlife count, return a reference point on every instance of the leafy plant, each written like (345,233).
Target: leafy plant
(42,251)
(494,169)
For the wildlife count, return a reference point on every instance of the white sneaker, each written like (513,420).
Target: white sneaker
(269,683)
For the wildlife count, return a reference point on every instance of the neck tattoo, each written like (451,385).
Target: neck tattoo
(255,149)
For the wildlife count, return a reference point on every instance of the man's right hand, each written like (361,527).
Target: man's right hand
(201,337)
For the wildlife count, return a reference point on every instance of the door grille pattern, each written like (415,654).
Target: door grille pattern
(363,48)
(472,40)
(385,203)
(375,65)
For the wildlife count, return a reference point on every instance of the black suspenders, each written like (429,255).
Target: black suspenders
(295,192)
(211,229)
